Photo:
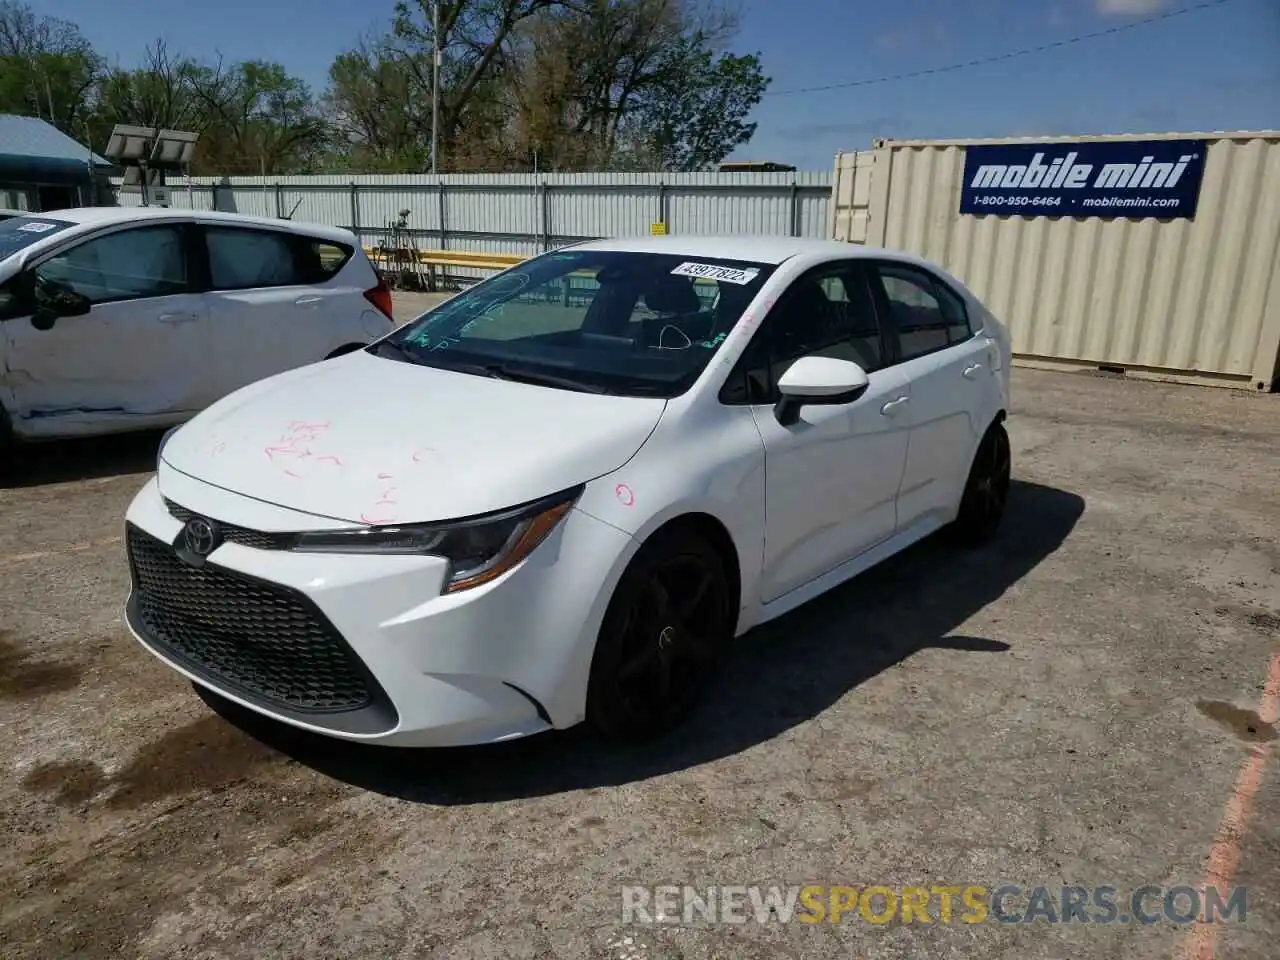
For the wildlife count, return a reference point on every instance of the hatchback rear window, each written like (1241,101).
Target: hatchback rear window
(18,233)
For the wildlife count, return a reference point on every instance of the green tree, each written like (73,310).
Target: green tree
(698,113)
(47,68)
(259,119)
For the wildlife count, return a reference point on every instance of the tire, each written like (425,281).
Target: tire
(666,625)
(986,491)
(8,446)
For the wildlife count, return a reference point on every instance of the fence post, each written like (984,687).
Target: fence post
(444,243)
(795,209)
(662,205)
(543,190)
(279,203)
(355,210)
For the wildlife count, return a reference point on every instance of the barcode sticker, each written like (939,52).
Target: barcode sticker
(709,271)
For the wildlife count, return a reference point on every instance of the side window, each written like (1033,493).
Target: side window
(241,259)
(958,327)
(325,258)
(826,314)
(126,265)
(918,317)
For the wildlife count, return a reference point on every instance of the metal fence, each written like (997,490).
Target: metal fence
(525,214)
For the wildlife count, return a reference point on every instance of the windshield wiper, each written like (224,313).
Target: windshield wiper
(501,371)
(395,348)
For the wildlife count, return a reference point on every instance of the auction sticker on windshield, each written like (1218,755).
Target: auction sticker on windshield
(709,271)
(38,226)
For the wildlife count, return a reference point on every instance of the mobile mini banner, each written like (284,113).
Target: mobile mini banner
(1113,178)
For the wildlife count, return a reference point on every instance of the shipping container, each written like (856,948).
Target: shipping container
(1181,298)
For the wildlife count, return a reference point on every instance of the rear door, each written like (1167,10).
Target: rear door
(136,356)
(950,377)
(273,302)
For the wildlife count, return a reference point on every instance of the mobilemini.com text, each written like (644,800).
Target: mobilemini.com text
(942,904)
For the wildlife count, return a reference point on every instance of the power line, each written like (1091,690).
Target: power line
(1026,51)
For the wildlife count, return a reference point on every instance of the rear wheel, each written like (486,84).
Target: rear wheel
(668,620)
(987,490)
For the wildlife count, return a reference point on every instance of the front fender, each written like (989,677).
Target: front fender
(692,466)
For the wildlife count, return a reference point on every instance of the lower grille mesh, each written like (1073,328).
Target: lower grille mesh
(258,637)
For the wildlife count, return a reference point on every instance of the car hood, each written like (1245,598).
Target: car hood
(364,439)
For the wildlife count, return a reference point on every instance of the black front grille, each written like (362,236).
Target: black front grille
(260,640)
(241,535)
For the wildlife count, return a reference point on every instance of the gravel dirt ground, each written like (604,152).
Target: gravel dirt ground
(1075,704)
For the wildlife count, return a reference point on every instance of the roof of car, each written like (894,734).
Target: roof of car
(755,249)
(94,216)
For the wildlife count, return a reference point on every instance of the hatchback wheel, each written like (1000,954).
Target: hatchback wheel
(8,446)
(987,489)
(662,633)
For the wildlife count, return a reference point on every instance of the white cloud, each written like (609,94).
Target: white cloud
(1130,8)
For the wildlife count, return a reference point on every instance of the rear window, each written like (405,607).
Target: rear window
(18,233)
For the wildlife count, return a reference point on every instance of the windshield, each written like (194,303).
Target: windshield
(619,322)
(17,233)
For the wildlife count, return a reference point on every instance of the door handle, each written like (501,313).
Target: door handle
(307,301)
(174,319)
(971,371)
(891,408)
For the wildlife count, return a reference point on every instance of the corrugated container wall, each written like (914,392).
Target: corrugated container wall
(1187,299)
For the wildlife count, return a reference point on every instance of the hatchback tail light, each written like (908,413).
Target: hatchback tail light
(380,296)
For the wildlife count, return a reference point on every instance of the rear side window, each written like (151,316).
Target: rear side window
(325,258)
(242,259)
(915,311)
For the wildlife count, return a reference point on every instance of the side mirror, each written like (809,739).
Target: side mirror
(65,303)
(818,380)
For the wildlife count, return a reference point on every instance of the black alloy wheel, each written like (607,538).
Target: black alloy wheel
(661,637)
(987,491)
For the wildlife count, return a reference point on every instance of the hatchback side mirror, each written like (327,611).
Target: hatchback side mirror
(818,380)
(65,303)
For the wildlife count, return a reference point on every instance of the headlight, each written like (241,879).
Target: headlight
(478,550)
(163,440)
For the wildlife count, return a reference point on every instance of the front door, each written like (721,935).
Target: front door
(136,356)
(831,478)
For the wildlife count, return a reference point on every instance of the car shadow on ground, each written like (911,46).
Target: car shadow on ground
(779,675)
(64,461)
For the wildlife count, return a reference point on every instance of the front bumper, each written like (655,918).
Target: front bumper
(367,648)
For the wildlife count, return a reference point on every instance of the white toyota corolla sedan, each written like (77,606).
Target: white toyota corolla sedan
(560,495)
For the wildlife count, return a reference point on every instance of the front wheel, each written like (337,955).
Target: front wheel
(8,445)
(668,620)
(986,491)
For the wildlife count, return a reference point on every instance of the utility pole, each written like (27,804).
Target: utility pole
(435,87)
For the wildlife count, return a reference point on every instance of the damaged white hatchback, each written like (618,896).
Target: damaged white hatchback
(116,319)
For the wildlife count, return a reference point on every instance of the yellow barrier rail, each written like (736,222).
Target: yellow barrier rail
(445,258)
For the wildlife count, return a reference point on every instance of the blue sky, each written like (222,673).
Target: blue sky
(1215,69)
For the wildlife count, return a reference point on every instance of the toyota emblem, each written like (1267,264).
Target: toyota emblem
(199,536)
